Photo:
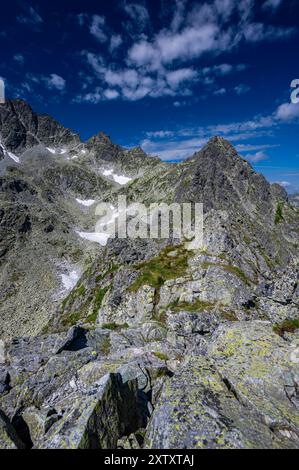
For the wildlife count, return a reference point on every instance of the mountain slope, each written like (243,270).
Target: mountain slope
(158,345)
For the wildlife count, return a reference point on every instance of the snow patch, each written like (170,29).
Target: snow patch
(97,237)
(70,280)
(13,157)
(120,179)
(56,151)
(86,203)
(9,154)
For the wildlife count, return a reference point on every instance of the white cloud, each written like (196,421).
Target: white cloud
(272,4)
(115,42)
(256,32)
(178,17)
(167,47)
(54,82)
(19,58)
(288,112)
(252,148)
(133,84)
(256,157)
(158,64)
(137,13)
(82,17)
(97,28)
(242,89)
(284,184)
(176,77)
(31,16)
(111,94)
(221,91)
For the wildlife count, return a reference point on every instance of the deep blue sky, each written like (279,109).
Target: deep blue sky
(163,74)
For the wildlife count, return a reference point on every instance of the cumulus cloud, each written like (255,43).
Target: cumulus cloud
(287,112)
(272,4)
(256,157)
(156,64)
(133,84)
(242,89)
(115,42)
(19,58)
(54,82)
(137,13)
(30,17)
(221,91)
(97,28)
(284,184)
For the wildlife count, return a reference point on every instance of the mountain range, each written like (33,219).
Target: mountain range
(142,343)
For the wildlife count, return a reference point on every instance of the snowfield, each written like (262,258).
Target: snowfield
(120,179)
(70,280)
(9,154)
(86,203)
(101,238)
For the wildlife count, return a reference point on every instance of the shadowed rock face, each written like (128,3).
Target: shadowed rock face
(21,128)
(142,343)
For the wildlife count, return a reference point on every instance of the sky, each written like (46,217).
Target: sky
(165,75)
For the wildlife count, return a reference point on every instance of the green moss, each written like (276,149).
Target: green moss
(115,326)
(171,263)
(79,291)
(287,326)
(74,317)
(279,213)
(98,298)
(105,346)
(92,318)
(197,306)
(160,317)
(111,270)
(231,269)
(161,356)
(229,316)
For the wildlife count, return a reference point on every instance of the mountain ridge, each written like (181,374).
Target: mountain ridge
(158,345)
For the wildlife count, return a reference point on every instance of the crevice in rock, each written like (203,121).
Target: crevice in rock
(22,430)
(230,388)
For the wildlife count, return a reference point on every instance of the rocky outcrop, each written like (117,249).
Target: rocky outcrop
(242,395)
(21,128)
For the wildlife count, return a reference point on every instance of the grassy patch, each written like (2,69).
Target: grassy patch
(279,213)
(112,270)
(161,356)
(229,316)
(287,326)
(98,298)
(79,291)
(95,300)
(105,346)
(197,306)
(171,263)
(230,269)
(115,326)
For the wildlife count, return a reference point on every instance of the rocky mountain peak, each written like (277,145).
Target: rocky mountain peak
(217,148)
(21,128)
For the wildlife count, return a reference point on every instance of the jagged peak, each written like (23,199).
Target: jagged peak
(220,143)
(102,138)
